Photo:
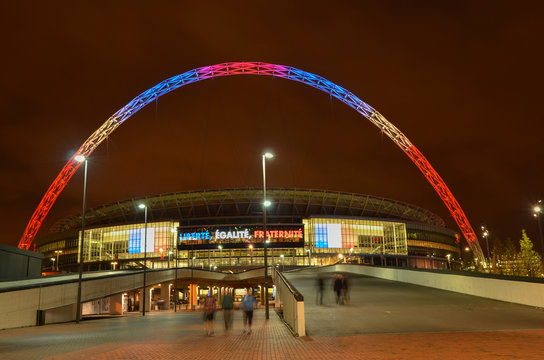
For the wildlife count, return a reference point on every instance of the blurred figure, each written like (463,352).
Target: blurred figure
(248,305)
(228,305)
(338,285)
(320,285)
(345,289)
(210,305)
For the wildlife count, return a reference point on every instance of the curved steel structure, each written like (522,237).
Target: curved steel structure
(251,68)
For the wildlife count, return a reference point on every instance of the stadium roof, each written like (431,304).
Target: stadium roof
(287,204)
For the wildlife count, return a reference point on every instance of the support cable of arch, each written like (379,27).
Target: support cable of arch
(251,68)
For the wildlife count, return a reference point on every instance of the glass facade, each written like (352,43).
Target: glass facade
(127,241)
(340,235)
(315,240)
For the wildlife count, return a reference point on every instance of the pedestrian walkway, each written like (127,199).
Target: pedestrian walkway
(169,335)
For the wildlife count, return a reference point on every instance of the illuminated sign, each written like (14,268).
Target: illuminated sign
(279,234)
(209,236)
(244,234)
(204,235)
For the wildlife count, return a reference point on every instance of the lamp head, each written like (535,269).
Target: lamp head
(80,158)
(267,203)
(268,155)
(142,206)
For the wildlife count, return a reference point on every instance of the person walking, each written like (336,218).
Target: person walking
(338,289)
(248,305)
(345,289)
(210,305)
(320,285)
(228,305)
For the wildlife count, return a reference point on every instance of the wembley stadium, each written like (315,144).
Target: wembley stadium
(220,229)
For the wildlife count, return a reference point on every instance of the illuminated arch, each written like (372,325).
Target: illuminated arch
(251,68)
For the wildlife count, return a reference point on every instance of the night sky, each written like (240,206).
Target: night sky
(461,79)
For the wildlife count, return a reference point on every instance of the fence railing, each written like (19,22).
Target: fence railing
(292,303)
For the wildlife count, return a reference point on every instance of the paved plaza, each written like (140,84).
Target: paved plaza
(384,320)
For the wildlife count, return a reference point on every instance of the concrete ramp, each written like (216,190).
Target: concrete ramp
(380,306)
(21,302)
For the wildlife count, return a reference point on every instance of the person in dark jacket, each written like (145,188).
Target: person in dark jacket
(338,285)
(228,305)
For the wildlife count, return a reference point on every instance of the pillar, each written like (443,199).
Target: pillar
(147,299)
(193,296)
(116,304)
(165,295)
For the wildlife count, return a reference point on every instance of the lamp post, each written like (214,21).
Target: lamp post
(169,256)
(309,257)
(192,285)
(281,259)
(537,213)
(58,252)
(176,293)
(266,203)
(251,252)
(143,206)
(485,235)
(52,264)
(81,158)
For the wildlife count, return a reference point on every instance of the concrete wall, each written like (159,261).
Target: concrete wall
(21,307)
(293,310)
(519,292)
(17,264)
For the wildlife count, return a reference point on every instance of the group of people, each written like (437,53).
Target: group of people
(248,304)
(340,287)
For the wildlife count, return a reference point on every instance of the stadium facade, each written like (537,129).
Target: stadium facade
(224,228)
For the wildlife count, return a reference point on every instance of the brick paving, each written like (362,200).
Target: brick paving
(384,320)
(168,335)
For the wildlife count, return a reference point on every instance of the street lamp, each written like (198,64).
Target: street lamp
(169,256)
(309,257)
(143,206)
(58,252)
(191,287)
(83,159)
(537,213)
(485,235)
(220,255)
(114,263)
(176,294)
(52,264)
(266,203)
(251,250)
(281,260)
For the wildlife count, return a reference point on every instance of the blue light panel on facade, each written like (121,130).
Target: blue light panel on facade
(321,236)
(134,241)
